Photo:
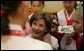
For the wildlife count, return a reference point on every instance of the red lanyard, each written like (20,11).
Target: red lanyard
(68,20)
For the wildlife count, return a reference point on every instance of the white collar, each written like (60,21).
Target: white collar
(30,15)
(81,34)
(15,27)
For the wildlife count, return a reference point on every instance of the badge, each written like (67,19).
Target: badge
(66,29)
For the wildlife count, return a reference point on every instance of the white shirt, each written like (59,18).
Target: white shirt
(30,16)
(81,34)
(22,43)
(53,41)
(61,17)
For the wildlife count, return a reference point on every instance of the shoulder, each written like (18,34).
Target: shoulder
(42,45)
(37,44)
(54,39)
(60,12)
(54,42)
(23,43)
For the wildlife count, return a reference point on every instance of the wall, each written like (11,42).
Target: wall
(53,6)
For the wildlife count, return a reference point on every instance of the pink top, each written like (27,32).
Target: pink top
(27,29)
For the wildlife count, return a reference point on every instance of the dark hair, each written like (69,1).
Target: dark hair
(42,15)
(9,7)
(56,18)
(75,5)
(41,2)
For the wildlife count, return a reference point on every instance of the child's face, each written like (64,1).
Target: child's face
(38,27)
(78,25)
(36,6)
(69,4)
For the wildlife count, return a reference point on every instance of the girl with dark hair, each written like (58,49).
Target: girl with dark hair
(13,19)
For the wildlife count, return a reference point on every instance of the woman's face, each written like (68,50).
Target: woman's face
(38,27)
(36,6)
(69,4)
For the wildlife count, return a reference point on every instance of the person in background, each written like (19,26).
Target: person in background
(54,24)
(13,19)
(35,6)
(41,27)
(65,19)
(66,13)
(78,27)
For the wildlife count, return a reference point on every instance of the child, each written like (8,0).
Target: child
(65,19)
(78,35)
